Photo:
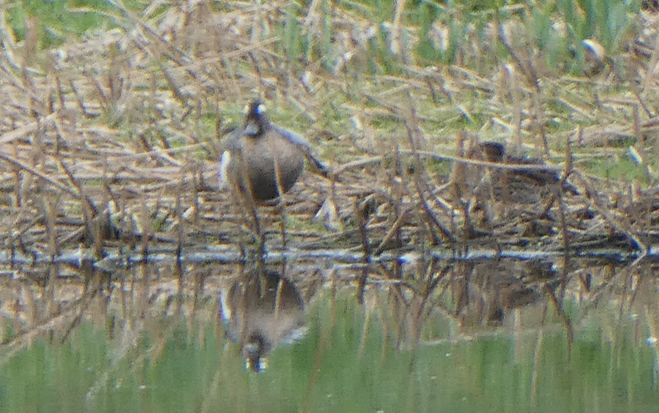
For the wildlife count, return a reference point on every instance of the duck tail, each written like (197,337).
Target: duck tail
(319,167)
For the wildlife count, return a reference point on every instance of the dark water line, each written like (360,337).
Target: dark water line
(115,258)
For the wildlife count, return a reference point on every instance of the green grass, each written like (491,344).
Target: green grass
(618,167)
(606,21)
(61,20)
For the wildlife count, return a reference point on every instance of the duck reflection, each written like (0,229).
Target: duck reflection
(487,291)
(261,311)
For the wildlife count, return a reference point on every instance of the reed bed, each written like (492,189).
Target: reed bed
(112,140)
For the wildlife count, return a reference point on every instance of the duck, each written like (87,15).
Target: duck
(262,160)
(524,178)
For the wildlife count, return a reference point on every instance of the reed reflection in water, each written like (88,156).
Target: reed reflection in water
(467,336)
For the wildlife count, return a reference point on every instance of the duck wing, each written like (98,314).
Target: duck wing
(299,140)
(292,137)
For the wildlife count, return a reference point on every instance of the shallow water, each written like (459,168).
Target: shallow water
(429,336)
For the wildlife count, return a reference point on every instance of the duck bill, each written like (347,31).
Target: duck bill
(251,128)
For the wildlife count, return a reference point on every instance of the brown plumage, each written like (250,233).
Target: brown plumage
(523,178)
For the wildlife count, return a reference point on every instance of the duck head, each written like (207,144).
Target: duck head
(255,351)
(493,151)
(256,119)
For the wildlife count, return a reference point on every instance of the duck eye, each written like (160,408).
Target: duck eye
(260,109)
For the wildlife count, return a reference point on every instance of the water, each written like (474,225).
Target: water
(430,336)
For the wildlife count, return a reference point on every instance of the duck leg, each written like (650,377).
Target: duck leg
(281,204)
(260,249)
(248,206)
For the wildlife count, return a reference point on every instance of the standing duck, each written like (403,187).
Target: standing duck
(262,160)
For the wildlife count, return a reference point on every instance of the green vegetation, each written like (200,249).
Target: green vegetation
(618,167)
(441,32)
(62,20)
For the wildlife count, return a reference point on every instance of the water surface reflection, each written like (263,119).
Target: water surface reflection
(430,335)
(262,310)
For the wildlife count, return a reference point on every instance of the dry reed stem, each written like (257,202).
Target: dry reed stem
(131,109)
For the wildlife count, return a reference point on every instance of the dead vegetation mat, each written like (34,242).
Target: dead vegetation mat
(114,139)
